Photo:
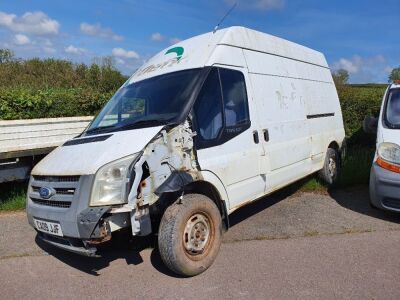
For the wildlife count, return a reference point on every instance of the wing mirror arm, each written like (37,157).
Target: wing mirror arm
(370,125)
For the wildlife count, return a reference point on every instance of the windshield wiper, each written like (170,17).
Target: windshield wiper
(141,123)
(100,129)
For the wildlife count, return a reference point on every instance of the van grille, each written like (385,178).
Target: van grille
(52,203)
(56,178)
(391,202)
(66,189)
(59,191)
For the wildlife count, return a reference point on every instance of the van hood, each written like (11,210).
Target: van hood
(86,158)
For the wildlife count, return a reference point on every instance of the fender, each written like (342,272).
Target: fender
(217,183)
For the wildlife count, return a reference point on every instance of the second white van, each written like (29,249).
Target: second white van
(204,127)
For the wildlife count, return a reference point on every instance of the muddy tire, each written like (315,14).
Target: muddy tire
(189,236)
(330,172)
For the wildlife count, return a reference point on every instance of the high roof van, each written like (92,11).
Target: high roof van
(201,129)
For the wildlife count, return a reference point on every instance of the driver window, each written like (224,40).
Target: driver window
(235,97)
(208,108)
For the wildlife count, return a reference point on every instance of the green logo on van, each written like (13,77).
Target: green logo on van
(177,50)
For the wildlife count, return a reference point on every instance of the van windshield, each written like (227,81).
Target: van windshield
(151,102)
(393,108)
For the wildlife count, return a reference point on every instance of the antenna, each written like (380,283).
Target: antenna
(224,17)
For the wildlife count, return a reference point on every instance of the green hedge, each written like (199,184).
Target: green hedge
(50,103)
(358,101)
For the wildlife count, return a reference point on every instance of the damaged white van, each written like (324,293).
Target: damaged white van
(204,127)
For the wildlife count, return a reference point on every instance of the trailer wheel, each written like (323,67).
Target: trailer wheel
(189,236)
(330,172)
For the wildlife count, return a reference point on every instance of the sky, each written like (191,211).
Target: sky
(359,36)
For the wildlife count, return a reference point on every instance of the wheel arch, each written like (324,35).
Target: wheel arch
(216,192)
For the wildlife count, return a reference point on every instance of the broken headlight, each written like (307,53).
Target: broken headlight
(110,183)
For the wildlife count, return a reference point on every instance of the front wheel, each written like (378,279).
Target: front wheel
(189,236)
(330,172)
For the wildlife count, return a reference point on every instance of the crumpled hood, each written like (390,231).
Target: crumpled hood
(87,158)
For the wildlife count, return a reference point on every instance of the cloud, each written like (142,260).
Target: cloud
(99,31)
(389,69)
(37,23)
(174,40)
(49,50)
(75,50)
(119,61)
(259,4)
(363,69)
(122,53)
(157,37)
(21,39)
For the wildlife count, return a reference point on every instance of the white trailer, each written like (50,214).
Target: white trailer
(25,142)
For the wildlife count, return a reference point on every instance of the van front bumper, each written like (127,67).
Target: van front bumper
(384,189)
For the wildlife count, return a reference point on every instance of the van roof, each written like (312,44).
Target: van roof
(197,51)
(250,39)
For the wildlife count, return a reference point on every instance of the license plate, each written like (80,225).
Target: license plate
(48,227)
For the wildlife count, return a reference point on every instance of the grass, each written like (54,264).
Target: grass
(355,171)
(356,166)
(12,196)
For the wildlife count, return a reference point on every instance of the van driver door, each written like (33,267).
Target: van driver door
(227,140)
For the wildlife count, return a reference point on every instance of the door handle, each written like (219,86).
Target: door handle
(266,135)
(255,137)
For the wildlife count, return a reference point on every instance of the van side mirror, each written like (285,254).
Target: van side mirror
(370,125)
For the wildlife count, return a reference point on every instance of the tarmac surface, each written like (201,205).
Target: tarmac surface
(289,245)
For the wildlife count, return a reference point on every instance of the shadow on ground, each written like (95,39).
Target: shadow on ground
(357,200)
(128,250)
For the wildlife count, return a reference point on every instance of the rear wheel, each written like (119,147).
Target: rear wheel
(330,172)
(190,235)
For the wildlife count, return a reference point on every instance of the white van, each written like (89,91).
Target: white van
(204,127)
(385,172)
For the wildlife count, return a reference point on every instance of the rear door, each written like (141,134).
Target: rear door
(227,143)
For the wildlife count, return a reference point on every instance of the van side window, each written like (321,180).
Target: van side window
(208,108)
(235,97)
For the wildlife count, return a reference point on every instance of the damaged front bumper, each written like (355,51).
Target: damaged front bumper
(69,244)
(82,227)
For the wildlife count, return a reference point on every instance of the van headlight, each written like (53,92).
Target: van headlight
(389,157)
(111,182)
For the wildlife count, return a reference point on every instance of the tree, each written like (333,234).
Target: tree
(394,75)
(6,55)
(340,77)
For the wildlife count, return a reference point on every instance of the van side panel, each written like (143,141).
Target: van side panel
(281,110)
(324,118)
(297,103)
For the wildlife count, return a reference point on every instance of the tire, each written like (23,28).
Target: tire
(195,216)
(330,172)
